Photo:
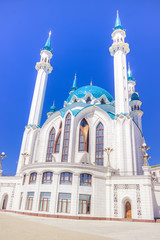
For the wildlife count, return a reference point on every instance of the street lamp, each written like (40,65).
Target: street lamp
(146,157)
(2,156)
(108,151)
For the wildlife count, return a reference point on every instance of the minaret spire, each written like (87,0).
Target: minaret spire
(129,73)
(48,43)
(118,22)
(119,50)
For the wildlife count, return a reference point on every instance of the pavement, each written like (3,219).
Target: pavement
(22,227)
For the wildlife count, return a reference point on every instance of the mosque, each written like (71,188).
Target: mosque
(89,159)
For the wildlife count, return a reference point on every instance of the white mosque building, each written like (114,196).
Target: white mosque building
(88,160)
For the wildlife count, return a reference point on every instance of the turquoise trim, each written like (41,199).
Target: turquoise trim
(158,165)
(33,125)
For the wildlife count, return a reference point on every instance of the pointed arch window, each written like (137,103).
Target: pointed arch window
(66,138)
(51,143)
(84,136)
(88,100)
(58,140)
(99,144)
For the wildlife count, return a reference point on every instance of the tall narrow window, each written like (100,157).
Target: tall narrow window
(58,140)
(24,179)
(83,136)
(29,201)
(20,201)
(44,201)
(66,138)
(64,202)
(84,204)
(99,144)
(51,143)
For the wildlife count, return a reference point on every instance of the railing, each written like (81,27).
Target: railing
(8,174)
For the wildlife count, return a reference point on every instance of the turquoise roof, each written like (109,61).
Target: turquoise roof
(48,43)
(118,23)
(134,97)
(96,92)
(52,108)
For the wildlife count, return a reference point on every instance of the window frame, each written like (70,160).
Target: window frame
(31,179)
(66,138)
(45,180)
(62,201)
(80,210)
(63,179)
(42,204)
(87,183)
(51,144)
(99,150)
(29,201)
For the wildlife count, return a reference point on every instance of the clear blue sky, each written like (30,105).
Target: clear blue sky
(81,37)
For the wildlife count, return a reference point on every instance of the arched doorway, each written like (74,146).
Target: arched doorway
(128,211)
(4,203)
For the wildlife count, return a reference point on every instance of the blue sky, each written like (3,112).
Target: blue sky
(81,37)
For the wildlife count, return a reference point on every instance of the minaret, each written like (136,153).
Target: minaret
(44,68)
(134,102)
(119,50)
(131,82)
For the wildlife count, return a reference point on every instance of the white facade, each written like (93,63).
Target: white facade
(66,170)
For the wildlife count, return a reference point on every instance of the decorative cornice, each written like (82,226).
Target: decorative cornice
(119,46)
(45,66)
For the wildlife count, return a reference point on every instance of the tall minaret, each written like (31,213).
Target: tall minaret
(44,68)
(119,49)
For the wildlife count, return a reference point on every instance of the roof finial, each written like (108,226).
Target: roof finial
(91,82)
(54,102)
(50,34)
(117,13)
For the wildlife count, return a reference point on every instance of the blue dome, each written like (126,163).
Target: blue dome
(134,97)
(96,92)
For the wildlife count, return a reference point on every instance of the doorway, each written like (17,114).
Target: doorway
(4,203)
(128,211)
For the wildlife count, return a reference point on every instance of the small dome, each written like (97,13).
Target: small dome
(134,97)
(52,108)
(96,92)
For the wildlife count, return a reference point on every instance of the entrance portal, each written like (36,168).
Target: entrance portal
(128,211)
(5,200)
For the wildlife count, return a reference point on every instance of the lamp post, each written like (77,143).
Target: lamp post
(2,156)
(146,157)
(25,155)
(108,151)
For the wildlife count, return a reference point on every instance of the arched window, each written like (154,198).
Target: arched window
(102,101)
(51,143)
(66,178)
(58,139)
(99,144)
(32,178)
(85,179)
(137,107)
(45,59)
(88,100)
(66,138)
(47,177)
(84,136)
(134,107)
(24,179)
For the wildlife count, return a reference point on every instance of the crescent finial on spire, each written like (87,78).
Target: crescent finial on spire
(50,33)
